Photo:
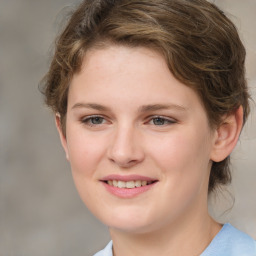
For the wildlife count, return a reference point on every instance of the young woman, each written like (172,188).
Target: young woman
(150,99)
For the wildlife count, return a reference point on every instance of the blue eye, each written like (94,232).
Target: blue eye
(93,120)
(160,121)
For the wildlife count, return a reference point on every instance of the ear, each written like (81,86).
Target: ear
(227,135)
(62,135)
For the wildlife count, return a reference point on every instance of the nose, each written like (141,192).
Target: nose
(125,147)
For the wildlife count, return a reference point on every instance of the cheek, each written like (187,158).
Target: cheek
(84,151)
(180,149)
(183,159)
(85,155)
(185,172)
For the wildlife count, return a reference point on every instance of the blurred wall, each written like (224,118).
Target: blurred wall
(40,211)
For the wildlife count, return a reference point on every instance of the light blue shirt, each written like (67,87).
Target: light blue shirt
(228,242)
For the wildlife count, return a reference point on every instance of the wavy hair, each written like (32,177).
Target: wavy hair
(200,44)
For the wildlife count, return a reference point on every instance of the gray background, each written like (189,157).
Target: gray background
(40,211)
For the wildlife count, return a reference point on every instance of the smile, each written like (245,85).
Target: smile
(129,184)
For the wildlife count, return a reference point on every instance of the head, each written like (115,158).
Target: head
(199,44)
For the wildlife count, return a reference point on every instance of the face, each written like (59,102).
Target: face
(137,139)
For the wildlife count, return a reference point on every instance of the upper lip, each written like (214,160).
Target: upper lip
(127,177)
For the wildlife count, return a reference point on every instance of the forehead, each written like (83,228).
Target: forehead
(120,59)
(135,75)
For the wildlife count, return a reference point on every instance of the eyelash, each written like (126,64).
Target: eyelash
(164,121)
(88,120)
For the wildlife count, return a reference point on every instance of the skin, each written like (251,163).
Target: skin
(170,142)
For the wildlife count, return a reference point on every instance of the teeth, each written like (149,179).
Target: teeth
(143,183)
(121,184)
(115,183)
(137,183)
(128,184)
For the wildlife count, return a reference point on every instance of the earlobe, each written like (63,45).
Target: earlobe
(227,135)
(61,134)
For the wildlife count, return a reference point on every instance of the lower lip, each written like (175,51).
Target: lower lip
(127,192)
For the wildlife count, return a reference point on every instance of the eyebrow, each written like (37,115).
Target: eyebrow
(142,109)
(154,107)
(92,106)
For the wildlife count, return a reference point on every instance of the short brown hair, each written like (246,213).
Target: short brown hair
(200,44)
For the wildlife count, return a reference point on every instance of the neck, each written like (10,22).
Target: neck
(189,237)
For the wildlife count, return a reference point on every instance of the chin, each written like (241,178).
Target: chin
(127,221)
(131,227)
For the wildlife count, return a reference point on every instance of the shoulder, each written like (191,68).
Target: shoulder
(231,242)
(228,242)
(107,251)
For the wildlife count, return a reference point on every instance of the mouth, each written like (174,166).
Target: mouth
(129,184)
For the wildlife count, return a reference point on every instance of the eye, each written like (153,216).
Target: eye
(94,120)
(161,121)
